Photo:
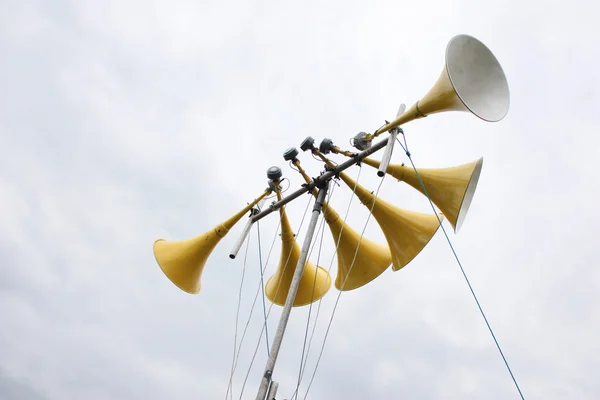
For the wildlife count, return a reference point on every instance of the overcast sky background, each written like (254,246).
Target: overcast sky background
(125,121)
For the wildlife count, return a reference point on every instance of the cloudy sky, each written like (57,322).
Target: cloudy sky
(126,121)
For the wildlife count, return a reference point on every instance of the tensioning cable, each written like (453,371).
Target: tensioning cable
(405,148)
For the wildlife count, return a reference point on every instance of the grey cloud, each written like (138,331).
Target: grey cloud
(12,389)
(122,122)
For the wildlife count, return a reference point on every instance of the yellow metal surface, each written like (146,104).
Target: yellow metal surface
(183,261)
(337,150)
(372,259)
(407,232)
(315,281)
(441,98)
(450,189)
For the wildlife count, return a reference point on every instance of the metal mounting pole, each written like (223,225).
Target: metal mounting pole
(387,153)
(273,391)
(322,179)
(246,231)
(289,301)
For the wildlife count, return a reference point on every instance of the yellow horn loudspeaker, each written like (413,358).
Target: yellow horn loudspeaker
(315,281)
(183,261)
(407,232)
(450,189)
(371,260)
(472,80)
(359,260)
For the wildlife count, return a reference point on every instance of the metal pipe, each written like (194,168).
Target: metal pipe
(273,391)
(246,231)
(321,180)
(387,153)
(289,301)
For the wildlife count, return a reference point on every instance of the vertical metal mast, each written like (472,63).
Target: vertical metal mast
(289,301)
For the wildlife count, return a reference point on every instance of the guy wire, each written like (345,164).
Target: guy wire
(405,148)
(340,292)
(253,305)
(328,270)
(237,315)
(302,363)
(270,308)
(262,286)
